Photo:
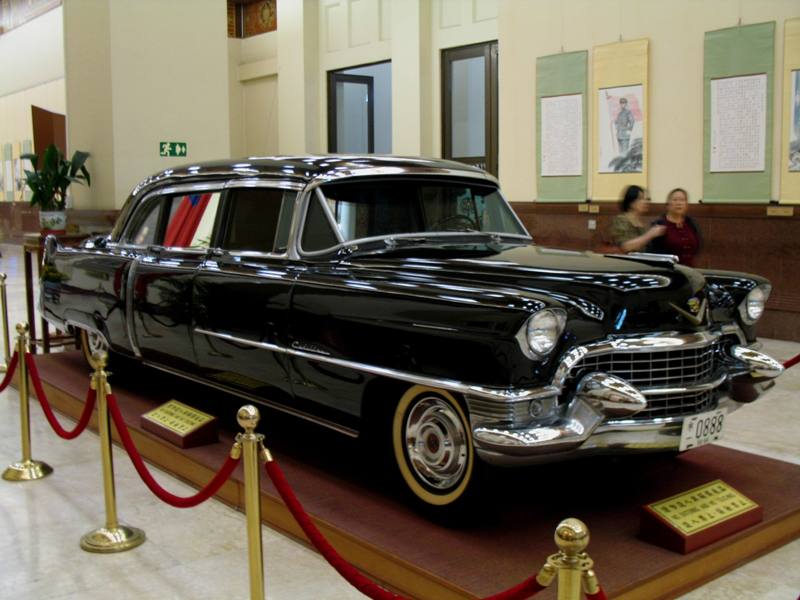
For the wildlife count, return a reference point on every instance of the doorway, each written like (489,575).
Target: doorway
(360,109)
(469,105)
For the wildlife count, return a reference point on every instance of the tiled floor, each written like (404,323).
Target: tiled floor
(201,553)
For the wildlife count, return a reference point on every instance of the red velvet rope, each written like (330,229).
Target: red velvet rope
(357,579)
(12,366)
(211,488)
(600,595)
(791,362)
(88,407)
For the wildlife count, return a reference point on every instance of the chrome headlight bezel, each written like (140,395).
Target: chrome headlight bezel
(540,333)
(752,308)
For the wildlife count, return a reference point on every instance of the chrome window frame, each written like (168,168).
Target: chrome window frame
(313,189)
(217,185)
(277,184)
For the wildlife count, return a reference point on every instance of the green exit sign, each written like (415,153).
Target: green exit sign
(172,148)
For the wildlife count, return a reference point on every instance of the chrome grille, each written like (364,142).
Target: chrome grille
(676,405)
(664,368)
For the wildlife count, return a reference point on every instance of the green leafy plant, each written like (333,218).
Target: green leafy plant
(50,183)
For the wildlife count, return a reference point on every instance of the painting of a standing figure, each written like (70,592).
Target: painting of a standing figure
(621,123)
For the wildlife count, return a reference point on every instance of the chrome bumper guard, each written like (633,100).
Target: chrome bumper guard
(598,417)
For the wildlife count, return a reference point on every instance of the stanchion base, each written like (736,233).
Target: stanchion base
(115,539)
(27,470)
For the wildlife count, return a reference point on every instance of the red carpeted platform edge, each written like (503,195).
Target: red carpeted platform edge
(508,536)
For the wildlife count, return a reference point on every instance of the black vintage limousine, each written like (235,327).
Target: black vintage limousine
(403,298)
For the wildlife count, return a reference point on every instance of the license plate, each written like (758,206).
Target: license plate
(702,428)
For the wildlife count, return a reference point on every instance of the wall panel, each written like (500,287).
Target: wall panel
(735,51)
(616,65)
(556,75)
(362,22)
(335,24)
(790,181)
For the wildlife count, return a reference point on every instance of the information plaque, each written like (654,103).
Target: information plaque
(181,424)
(698,517)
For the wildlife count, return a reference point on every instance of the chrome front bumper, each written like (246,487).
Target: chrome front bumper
(599,416)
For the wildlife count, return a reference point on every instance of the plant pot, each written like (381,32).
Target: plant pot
(53,221)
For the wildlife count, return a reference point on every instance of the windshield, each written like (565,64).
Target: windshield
(396,207)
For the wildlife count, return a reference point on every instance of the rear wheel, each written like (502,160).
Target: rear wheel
(433,446)
(92,342)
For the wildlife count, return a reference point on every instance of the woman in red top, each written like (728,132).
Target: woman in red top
(682,236)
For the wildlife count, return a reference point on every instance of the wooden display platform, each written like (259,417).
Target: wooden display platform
(366,516)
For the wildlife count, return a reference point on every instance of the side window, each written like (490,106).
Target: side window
(258,220)
(317,232)
(144,226)
(179,221)
(285,222)
(191,220)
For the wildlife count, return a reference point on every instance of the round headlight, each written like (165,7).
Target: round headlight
(544,329)
(754,304)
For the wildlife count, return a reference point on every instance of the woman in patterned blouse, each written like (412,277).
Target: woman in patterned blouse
(628,229)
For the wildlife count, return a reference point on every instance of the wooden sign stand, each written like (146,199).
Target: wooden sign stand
(181,424)
(698,517)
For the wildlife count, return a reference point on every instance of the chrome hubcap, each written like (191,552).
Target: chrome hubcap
(95,342)
(436,442)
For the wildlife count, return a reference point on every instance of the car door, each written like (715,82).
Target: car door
(241,295)
(169,238)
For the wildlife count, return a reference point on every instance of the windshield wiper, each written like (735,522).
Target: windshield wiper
(392,243)
(381,246)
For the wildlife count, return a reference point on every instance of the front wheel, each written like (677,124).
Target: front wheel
(92,342)
(433,446)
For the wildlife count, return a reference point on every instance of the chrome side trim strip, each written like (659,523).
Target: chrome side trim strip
(281,407)
(237,340)
(644,344)
(500,394)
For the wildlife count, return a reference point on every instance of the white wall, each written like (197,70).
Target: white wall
(160,74)
(32,54)
(298,77)
(260,98)
(31,73)
(90,125)
(15,109)
(253,93)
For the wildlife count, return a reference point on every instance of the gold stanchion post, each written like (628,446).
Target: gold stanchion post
(6,333)
(114,537)
(253,453)
(27,469)
(572,563)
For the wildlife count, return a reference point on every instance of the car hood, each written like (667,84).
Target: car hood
(624,293)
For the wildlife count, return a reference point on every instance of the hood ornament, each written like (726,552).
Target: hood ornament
(697,310)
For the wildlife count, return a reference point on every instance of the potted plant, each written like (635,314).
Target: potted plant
(49,185)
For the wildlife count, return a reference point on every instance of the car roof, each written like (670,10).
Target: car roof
(312,167)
